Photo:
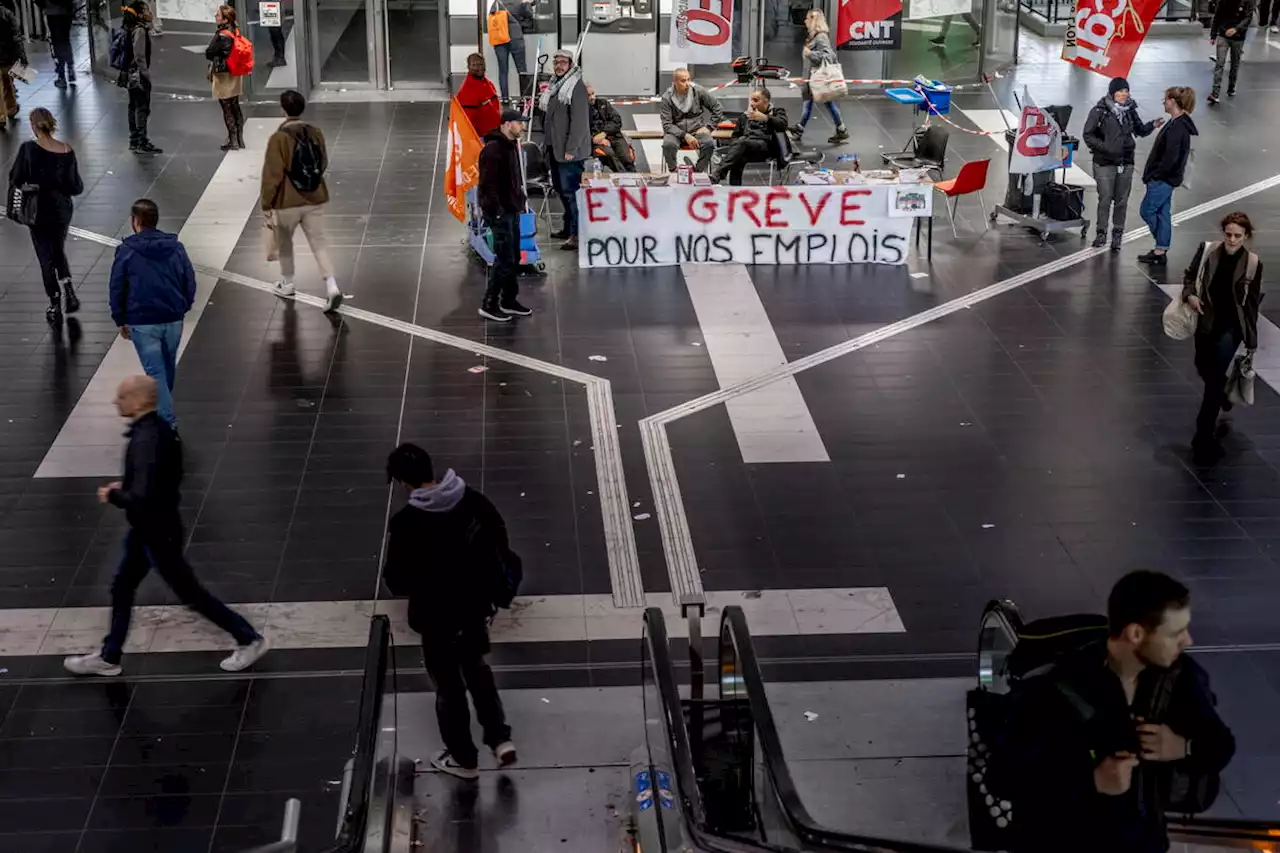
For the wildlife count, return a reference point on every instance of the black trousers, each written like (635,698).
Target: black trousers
(618,154)
(504,272)
(458,667)
(60,38)
(139,111)
(50,242)
(277,42)
(1268,12)
(1214,353)
(741,152)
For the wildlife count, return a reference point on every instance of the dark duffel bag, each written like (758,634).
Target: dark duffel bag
(1064,202)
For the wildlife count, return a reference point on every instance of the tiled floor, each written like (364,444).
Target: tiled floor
(1031,446)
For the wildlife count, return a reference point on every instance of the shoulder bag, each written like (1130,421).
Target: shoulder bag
(1179,318)
(827,82)
(22,203)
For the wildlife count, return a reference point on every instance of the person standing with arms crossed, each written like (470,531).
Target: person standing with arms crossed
(149,496)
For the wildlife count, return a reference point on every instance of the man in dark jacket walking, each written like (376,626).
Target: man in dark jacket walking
(152,288)
(13,50)
(1091,762)
(59,15)
(500,192)
(433,547)
(755,137)
(1166,169)
(149,496)
(566,130)
(1109,132)
(1230,24)
(607,137)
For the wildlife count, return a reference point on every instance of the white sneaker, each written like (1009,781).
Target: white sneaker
(284,288)
(505,753)
(90,665)
(445,764)
(246,656)
(1275,29)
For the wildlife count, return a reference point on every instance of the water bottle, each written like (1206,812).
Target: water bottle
(850,158)
(594,163)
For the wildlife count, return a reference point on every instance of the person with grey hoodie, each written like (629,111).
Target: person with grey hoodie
(566,135)
(136,75)
(689,114)
(434,545)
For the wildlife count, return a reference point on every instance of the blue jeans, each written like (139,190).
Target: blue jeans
(1157,212)
(566,178)
(157,347)
(162,547)
(807,112)
(513,49)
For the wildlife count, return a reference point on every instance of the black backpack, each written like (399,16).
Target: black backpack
(306,168)
(119,54)
(499,568)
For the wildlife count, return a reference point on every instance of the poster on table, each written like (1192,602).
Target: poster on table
(1105,35)
(462,169)
(1038,145)
(869,25)
(702,31)
(663,226)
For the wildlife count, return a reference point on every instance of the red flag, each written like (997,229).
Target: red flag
(1105,35)
(462,170)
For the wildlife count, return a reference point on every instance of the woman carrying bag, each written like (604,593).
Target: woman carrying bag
(1223,288)
(47,168)
(819,52)
(227,87)
(508,21)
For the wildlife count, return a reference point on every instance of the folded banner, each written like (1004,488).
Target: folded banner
(462,169)
(702,31)
(869,25)
(1038,145)
(1105,35)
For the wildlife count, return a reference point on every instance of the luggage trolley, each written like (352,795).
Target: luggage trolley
(1035,215)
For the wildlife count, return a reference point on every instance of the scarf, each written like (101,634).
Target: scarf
(684,104)
(562,88)
(1121,111)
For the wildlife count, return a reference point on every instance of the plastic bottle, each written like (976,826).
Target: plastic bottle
(594,164)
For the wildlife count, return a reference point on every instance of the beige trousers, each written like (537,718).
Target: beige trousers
(311,218)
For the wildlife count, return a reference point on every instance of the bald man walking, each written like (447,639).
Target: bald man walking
(149,497)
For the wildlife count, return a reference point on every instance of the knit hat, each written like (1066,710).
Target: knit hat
(1118,84)
(512,115)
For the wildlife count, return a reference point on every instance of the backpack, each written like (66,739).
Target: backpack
(306,167)
(240,60)
(119,54)
(500,570)
(1189,792)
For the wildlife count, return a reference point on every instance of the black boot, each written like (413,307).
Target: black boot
(841,134)
(71,74)
(1117,239)
(60,69)
(239,116)
(69,296)
(147,147)
(228,119)
(53,314)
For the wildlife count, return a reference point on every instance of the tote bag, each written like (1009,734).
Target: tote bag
(499,31)
(827,82)
(1179,318)
(21,203)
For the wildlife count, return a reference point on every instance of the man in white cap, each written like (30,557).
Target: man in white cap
(566,133)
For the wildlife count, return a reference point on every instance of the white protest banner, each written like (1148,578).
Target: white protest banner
(662,226)
(1038,146)
(702,31)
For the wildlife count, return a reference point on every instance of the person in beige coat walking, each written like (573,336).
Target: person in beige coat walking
(227,87)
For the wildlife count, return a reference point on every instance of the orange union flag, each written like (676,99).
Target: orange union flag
(462,171)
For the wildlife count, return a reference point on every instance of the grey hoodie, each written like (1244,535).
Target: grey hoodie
(440,497)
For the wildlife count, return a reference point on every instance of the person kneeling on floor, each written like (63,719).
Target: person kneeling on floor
(755,137)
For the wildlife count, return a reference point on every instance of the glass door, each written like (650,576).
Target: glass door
(343,42)
(415,43)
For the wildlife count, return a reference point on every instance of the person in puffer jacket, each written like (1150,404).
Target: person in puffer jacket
(153,286)
(1109,132)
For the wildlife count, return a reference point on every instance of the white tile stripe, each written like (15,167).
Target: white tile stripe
(533,619)
(677,543)
(89,443)
(992,123)
(773,424)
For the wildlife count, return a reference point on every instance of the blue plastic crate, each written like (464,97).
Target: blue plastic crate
(939,95)
(905,96)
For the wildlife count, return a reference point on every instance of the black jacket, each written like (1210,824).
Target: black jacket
(1232,14)
(149,492)
(220,48)
(1110,138)
(1248,294)
(13,47)
(1058,736)
(604,118)
(766,130)
(1172,149)
(500,189)
(428,560)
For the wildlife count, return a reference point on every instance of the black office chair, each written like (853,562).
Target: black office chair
(928,150)
(788,156)
(537,176)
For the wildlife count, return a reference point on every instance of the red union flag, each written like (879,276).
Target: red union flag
(1106,34)
(702,31)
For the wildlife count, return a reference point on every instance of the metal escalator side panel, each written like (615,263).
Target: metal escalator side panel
(998,634)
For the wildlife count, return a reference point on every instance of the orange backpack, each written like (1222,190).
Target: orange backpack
(499,31)
(240,61)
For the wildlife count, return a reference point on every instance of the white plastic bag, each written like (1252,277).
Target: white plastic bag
(1180,320)
(827,82)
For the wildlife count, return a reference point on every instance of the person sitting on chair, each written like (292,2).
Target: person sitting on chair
(607,139)
(689,113)
(755,137)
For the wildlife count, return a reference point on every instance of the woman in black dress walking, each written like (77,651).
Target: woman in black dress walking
(50,164)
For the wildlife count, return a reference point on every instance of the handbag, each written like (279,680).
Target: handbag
(827,82)
(1241,380)
(1179,318)
(499,29)
(22,203)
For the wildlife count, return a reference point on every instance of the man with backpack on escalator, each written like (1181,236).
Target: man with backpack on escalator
(1117,732)
(447,551)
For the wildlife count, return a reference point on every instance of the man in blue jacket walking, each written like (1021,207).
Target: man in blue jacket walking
(152,288)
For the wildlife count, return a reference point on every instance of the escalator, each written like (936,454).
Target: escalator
(713,776)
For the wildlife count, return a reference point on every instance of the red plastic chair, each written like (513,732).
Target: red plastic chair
(971,179)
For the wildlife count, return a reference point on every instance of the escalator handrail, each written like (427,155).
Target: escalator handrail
(733,627)
(689,798)
(351,832)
